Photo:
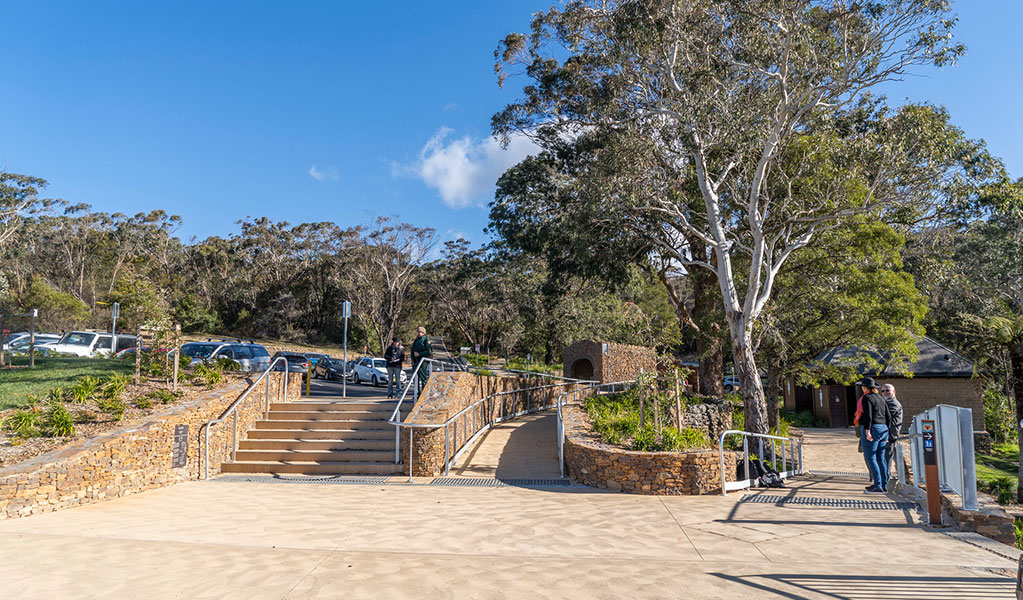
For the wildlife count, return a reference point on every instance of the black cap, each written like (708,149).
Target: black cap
(867,382)
(396,339)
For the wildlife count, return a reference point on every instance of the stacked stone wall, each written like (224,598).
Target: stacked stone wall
(591,462)
(446,394)
(712,416)
(136,456)
(621,362)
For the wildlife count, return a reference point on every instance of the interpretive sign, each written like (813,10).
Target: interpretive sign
(180,450)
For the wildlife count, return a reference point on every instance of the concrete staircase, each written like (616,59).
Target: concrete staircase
(317,437)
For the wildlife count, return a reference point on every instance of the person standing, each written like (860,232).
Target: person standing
(875,421)
(394,356)
(894,427)
(421,348)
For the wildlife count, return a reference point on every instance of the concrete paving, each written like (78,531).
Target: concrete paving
(274,539)
(525,448)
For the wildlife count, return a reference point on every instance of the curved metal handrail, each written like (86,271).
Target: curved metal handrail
(796,463)
(234,405)
(452,457)
(561,419)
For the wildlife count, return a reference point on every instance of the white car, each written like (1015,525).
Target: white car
(43,341)
(90,343)
(372,371)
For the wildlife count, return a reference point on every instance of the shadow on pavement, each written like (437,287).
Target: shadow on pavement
(857,587)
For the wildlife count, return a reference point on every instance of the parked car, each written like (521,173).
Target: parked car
(731,384)
(9,337)
(297,362)
(329,368)
(251,356)
(372,371)
(90,343)
(315,357)
(43,342)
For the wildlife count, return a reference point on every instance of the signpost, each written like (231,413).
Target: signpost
(114,312)
(346,312)
(931,472)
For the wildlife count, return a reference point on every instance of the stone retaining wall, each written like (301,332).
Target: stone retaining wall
(136,456)
(712,416)
(591,462)
(448,393)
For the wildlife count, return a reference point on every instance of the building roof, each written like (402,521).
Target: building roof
(935,360)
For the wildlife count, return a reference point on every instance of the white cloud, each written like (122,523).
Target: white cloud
(462,170)
(324,173)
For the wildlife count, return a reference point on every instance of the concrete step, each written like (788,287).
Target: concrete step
(338,415)
(303,444)
(382,406)
(314,468)
(308,424)
(346,456)
(321,434)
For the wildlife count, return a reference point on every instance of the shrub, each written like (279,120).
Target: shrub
(803,418)
(209,373)
(56,394)
(227,365)
(114,386)
(59,422)
(84,391)
(23,423)
(114,407)
(1017,526)
(1003,489)
(163,396)
(143,402)
(616,418)
(999,416)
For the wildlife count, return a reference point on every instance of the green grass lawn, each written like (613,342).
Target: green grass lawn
(1002,462)
(18,383)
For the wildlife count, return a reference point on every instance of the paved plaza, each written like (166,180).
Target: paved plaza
(275,538)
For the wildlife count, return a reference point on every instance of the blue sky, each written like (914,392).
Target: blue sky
(330,111)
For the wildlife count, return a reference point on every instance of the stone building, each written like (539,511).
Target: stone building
(938,376)
(605,362)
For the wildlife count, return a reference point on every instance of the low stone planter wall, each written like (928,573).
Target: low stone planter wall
(448,393)
(591,462)
(137,456)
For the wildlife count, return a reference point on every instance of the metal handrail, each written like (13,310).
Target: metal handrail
(449,457)
(231,410)
(412,385)
(794,445)
(561,419)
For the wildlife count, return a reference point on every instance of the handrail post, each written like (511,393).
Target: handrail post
(446,465)
(721,455)
(234,438)
(411,450)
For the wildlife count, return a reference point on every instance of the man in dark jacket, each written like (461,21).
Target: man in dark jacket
(895,427)
(875,421)
(395,356)
(421,348)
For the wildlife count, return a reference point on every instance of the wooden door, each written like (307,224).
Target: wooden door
(836,400)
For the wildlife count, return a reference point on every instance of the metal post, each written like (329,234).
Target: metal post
(445,449)
(760,452)
(177,361)
(266,411)
(410,450)
(346,310)
(138,355)
(115,311)
(800,457)
(745,459)
(234,438)
(3,340)
(32,314)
